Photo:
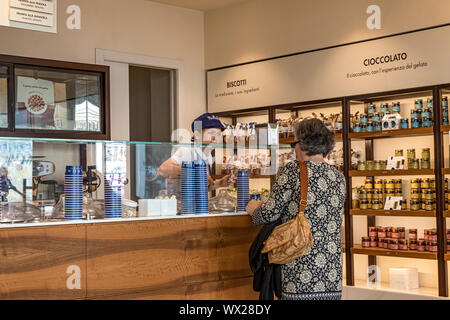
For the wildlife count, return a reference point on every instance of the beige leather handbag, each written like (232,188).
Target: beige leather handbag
(293,238)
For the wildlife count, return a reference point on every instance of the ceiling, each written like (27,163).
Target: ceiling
(203,5)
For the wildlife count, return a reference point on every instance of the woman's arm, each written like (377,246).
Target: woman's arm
(169,169)
(280,196)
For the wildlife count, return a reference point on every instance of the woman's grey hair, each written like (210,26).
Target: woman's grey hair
(314,137)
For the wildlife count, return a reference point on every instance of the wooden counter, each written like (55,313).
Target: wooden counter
(195,258)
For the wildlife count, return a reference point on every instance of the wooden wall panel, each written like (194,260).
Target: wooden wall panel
(175,253)
(34,262)
(233,289)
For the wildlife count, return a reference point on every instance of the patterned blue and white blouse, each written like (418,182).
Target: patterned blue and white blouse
(317,274)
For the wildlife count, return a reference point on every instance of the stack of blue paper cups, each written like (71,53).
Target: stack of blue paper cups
(73,190)
(187,187)
(113,199)
(201,187)
(243,190)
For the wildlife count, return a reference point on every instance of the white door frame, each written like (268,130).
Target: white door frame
(119,63)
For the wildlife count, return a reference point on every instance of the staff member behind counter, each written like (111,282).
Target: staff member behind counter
(212,129)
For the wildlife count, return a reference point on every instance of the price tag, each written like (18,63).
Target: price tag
(393,203)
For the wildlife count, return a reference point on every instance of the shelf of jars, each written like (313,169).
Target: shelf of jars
(358,249)
(337,137)
(392,133)
(392,213)
(402,172)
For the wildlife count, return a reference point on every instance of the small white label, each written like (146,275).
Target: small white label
(31,17)
(46,6)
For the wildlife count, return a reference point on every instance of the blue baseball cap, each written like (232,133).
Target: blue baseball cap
(209,121)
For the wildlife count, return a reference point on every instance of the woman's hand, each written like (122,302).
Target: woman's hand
(252,206)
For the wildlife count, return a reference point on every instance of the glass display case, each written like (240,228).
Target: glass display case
(116,179)
(53,99)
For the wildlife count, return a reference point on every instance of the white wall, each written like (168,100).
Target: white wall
(258,29)
(133,26)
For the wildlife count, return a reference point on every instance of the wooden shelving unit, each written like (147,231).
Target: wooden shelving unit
(391,133)
(392,213)
(405,172)
(347,137)
(358,249)
(337,137)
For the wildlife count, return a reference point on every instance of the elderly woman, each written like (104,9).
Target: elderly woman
(318,274)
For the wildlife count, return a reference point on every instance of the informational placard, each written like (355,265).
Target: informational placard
(31,17)
(37,15)
(35,94)
(405,61)
(45,6)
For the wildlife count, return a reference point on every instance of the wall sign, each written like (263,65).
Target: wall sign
(405,61)
(45,6)
(37,15)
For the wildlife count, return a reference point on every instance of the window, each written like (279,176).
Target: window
(52,99)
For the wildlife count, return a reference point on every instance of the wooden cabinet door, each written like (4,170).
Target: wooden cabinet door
(43,262)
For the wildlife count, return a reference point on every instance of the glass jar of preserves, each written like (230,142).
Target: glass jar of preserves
(356,127)
(432,235)
(402,244)
(427,121)
(393,245)
(401,232)
(364,204)
(395,234)
(404,204)
(398,184)
(378,184)
(365,242)
(378,194)
(425,164)
(362,194)
(373,242)
(377,165)
(363,118)
(426,153)
(418,104)
(413,245)
(377,204)
(433,183)
(433,246)
(427,194)
(373,232)
(415,183)
(425,184)
(370,194)
(368,182)
(421,245)
(425,234)
(446,183)
(369,165)
(389,184)
(370,127)
(399,153)
(415,164)
(398,192)
(412,234)
(377,125)
(415,205)
(361,165)
(429,205)
(381,232)
(416,194)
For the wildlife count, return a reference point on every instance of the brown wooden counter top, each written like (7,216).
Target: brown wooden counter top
(197,258)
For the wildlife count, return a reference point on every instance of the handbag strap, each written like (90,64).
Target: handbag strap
(303,186)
